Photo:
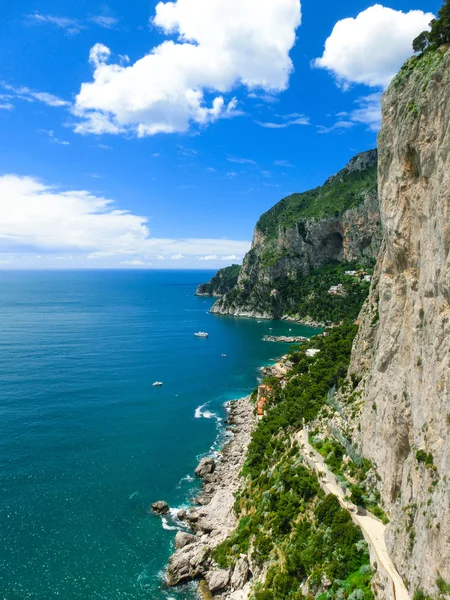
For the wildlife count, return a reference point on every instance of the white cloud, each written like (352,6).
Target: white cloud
(298,120)
(53,138)
(230,257)
(371,48)
(241,161)
(221,44)
(282,163)
(6,106)
(339,126)
(209,257)
(72,26)
(368,113)
(269,98)
(25,93)
(135,263)
(105,22)
(45,219)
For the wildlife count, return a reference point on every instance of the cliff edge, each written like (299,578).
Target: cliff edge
(402,350)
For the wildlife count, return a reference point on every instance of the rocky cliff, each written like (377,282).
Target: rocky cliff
(222,282)
(335,223)
(402,351)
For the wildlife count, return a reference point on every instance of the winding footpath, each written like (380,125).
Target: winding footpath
(373,529)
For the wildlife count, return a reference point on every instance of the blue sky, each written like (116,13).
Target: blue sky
(203,114)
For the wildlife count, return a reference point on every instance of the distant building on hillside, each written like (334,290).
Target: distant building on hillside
(263,394)
(337,290)
(312,352)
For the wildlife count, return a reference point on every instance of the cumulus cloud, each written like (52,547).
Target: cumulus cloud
(209,257)
(43,218)
(220,44)
(370,48)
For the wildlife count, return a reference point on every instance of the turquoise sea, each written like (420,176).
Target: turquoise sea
(86,441)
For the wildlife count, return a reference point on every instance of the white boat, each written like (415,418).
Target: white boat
(201,334)
(223,355)
(157,383)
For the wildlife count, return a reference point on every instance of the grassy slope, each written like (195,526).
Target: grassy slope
(343,192)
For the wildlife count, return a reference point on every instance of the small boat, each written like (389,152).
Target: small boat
(259,321)
(223,354)
(201,334)
(157,383)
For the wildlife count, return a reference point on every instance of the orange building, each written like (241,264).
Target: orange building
(263,392)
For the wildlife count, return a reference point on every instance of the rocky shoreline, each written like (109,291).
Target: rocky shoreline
(211,519)
(286,339)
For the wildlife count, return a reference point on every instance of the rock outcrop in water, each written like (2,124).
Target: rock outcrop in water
(402,351)
(337,222)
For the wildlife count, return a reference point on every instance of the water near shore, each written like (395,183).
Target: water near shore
(86,442)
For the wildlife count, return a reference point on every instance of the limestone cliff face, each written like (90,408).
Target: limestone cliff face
(292,248)
(403,347)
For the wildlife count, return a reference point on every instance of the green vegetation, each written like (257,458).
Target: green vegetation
(286,521)
(443,586)
(222,282)
(340,193)
(429,59)
(421,67)
(439,33)
(424,457)
(348,472)
(307,297)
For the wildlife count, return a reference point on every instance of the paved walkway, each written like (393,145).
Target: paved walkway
(372,528)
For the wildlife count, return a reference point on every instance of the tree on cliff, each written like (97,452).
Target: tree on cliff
(439,33)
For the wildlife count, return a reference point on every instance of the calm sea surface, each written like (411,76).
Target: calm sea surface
(86,442)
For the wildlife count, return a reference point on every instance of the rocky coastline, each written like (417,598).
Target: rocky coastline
(286,339)
(211,518)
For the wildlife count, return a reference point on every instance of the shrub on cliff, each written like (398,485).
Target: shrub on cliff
(439,33)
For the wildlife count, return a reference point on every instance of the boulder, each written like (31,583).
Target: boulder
(218,580)
(183,539)
(205,466)
(181,514)
(160,507)
(187,563)
(240,573)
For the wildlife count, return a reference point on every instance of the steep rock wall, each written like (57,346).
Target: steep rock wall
(402,350)
(309,244)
